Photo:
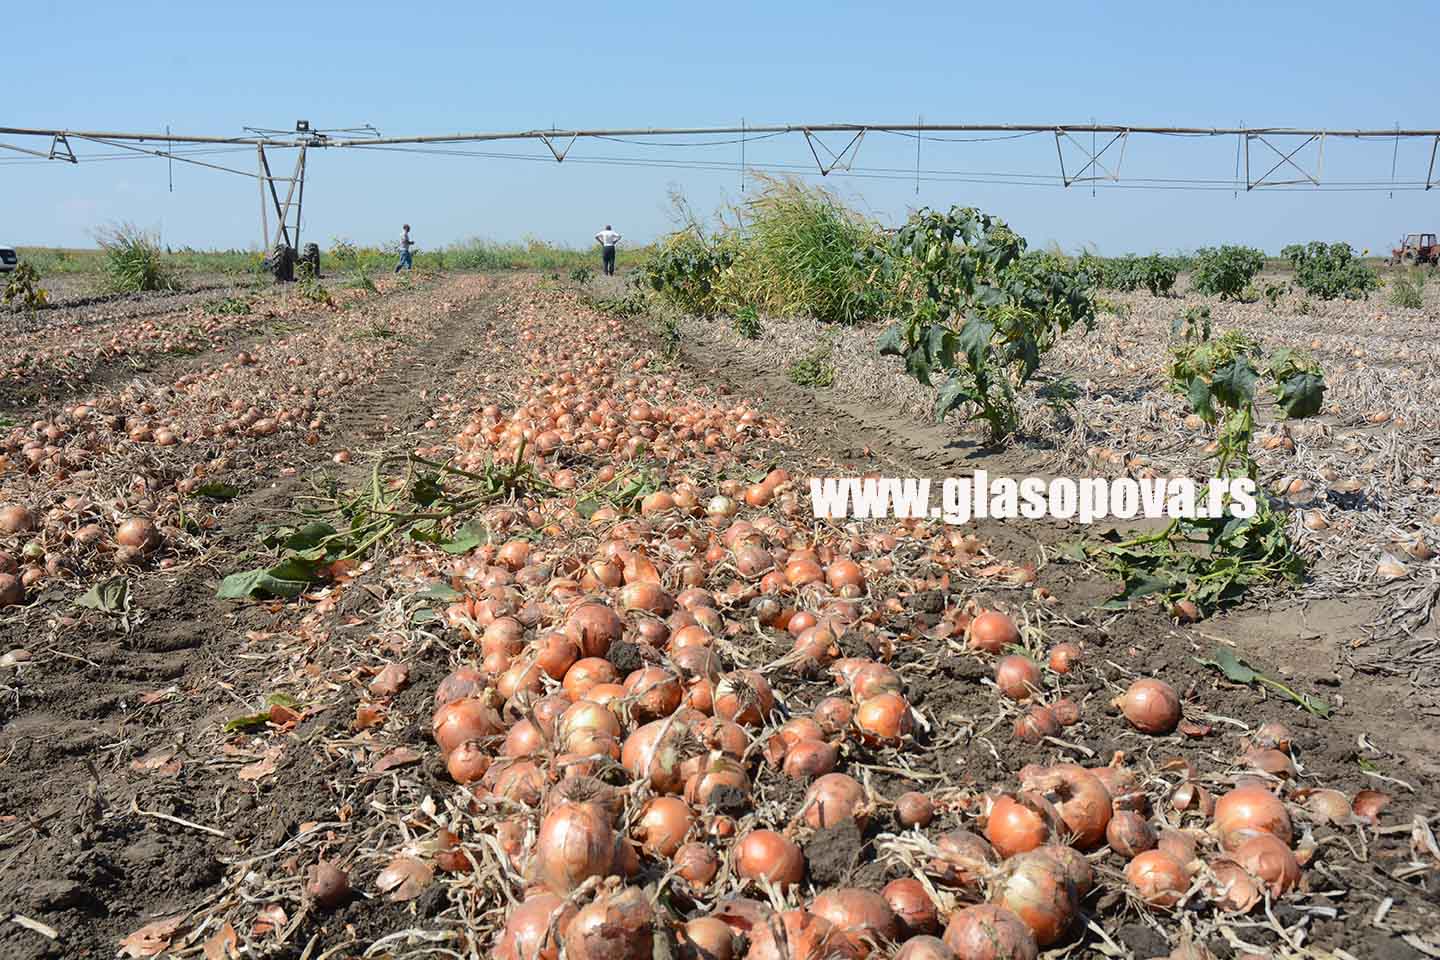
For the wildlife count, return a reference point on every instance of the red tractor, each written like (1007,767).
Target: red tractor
(1418,248)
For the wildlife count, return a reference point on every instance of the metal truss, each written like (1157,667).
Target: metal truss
(1093,169)
(1287,160)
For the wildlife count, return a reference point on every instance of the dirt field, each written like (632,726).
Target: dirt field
(157,797)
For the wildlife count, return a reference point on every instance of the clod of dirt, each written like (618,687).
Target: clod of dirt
(625,656)
(833,854)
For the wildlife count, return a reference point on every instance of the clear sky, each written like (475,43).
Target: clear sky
(431,67)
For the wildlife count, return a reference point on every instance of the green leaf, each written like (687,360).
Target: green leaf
(1234,383)
(467,538)
(975,340)
(249,721)
(439,591)
(892,341)
(1301,394)
(954,393)
(110,596)
(308,537)
(1200,400)
(288,578)
(586,508)
(1232,666)
(216,490)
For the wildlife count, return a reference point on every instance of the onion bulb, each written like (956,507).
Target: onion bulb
(1158,878)
(1038,890)
(765,854)
(1151,706)
(574,844)
(989,932)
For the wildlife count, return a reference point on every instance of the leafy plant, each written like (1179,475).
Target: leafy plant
(1408,291)
(581,275)
(1237,670)
(1273,292)
(685,269)
(228,306)
(1329,271)
(1198,564)
(974,307)
(310,287)
(747,322)
(1226,270)
(134,261)
(1158,274)
(23,285)
(815,369)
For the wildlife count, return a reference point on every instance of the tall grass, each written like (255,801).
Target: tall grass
(802,255)
(1408,291)
(134,261)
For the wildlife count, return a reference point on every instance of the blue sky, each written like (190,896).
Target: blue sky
(441,67)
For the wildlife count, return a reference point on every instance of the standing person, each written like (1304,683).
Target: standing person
(405,244)
(607,239)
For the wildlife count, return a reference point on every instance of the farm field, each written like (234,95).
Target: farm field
(437,618)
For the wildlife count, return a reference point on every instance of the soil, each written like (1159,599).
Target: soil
(120,797)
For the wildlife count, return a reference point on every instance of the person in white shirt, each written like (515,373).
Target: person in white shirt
(407,261)
(607,239)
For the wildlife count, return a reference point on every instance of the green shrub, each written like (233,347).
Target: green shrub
(978,309)
(747,322)
(1408,291)
(1158,274)
(1226,270)
(1331,270)
(815,369)
(685,268)
(23,285)
(133,259)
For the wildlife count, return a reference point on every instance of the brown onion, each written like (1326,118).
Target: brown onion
(1247,811)
(833,799)
(1158,878)
(1017,677)
(989,932)
(1151,706)
(862,916)
(914,810)
(1038,890)
(992,632)
(765,854)
(915,913)
(574,844)
(1129,834)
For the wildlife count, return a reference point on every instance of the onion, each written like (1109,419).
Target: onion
(139,534)
(1231,887)
(1267,858)
(963,858)
(1368,804)
(615,927)
(705,938)
(834,715)
(1018,825)
(1065,711)
(1158,878)
(1036,724)
(12,591)
(809,758)
(462,683)
(652,754)
(720,783)
(1038,890)
(767,855)
(915,913)
(656,692)
(914,810)
(662,826)
(884,720)
(462,720)
(925,948)
(992,632)
(990,932)
(1129,834)
(862,916)
(1063,657)
(1151,706)
(1017,676)
(574,844)
(834,799)
(536,929)
(468,762)
(588,672)
(1077,868)
(1247,811)
(327,885)
(1179,844)
(744,697)
(697,863)
(798,935)
(594,627)
(15,518)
